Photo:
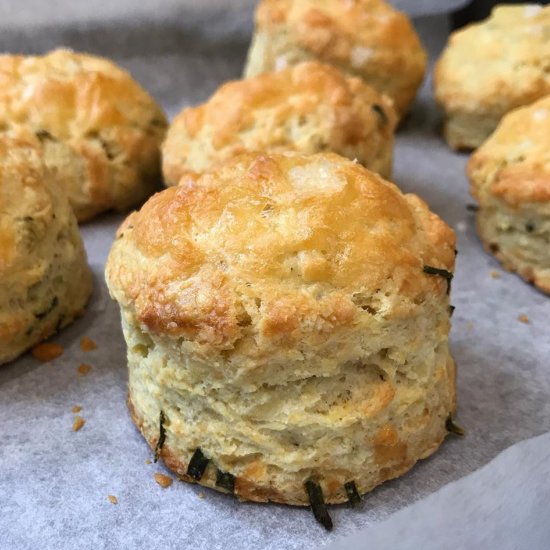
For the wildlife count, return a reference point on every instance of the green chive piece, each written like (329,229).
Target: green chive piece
(225,480)
(197,465)
(354,498)
(162,437)
(48,310)
(472,207)
(454,428)
(451,310)
(429,270)
(381,113)
(529,227)
(317,502)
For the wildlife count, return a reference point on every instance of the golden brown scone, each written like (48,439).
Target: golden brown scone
(278,315)
(307,108)
(366,38)
(101,132)
(490,68)
(44,278)
(510,177)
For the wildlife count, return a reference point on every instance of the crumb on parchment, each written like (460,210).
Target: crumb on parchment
(78,423)
(47,351)
(148,461)
(201,495)
(76,409)
(524,319)
(112,499)
(495,275)
(84,369)
(163,481)
(87,344)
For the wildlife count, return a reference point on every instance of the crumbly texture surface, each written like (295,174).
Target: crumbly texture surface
(45,280)
(510,178)
(366,38)
(307,108)
(100,131)
(278,314)
(490,68)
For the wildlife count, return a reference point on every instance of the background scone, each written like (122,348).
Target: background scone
(307,108)
(100,130)
(510,177)
(490,68)
(367,38)
(44,278)
(282,323)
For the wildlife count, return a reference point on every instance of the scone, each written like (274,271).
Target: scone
(490,68)
(307,108)
(287,323)
(44,277)
(366,38)
(101,132)
(510,178)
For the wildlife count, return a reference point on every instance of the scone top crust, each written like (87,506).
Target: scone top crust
(368,38)
(498,64)
(514,163)
(100,130)
(290,246)
(305,108)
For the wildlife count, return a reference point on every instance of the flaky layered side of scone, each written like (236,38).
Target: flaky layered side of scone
(101,132)
(510,177)
(307,108)
(490,68)
(366,38)
(284,320)
(44,277)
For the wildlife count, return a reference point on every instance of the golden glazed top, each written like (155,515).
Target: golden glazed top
(290,244)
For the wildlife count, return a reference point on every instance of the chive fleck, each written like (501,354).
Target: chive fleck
(429,270)
(529,227)
(451,310)
(381,113)
(354,498)
(43,135)
(454,428)
(162,436)
(472,207)
(48,310)
(197,465)
(225,480)
(317,502)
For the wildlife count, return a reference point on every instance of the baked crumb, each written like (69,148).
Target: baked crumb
(76,409)
(84,369)
(201,495)
(495,275)
(112,499)
(163,481)
(148,461)
(524,319)
(87,344)
(78,423)
(47,351)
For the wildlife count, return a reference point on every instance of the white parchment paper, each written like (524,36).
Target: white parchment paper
(54,482)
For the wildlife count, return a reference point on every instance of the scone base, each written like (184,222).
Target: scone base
(247,491)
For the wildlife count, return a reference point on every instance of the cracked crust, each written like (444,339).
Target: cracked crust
(100,132)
